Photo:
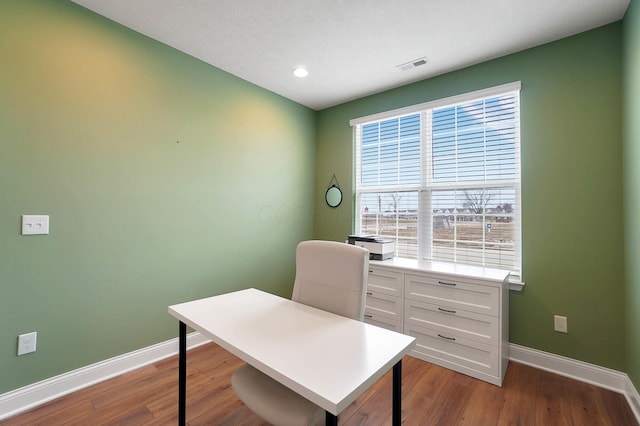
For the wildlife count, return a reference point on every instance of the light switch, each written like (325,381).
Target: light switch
(35,224)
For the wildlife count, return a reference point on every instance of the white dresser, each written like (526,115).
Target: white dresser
(458,314)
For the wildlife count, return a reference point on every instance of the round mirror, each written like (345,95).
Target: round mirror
(333,196)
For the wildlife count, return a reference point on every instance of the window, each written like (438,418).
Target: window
(443,178)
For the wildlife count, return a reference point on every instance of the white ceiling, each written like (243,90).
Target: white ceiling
(352,47)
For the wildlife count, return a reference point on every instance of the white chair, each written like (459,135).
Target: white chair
(330,276)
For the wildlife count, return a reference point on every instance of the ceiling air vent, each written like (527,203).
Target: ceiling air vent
(412,64)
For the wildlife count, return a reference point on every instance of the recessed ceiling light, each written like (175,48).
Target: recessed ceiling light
(300,72)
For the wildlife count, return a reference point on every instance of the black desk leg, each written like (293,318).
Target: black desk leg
(331,419)
(182,376)
(397,394)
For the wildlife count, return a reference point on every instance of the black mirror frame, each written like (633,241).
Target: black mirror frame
(329,202)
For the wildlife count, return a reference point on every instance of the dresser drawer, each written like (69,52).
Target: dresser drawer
(385,281)
(453,351)
(456,294)
(384,322)
(382,304)
(449,320)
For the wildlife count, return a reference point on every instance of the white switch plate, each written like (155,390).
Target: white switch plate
(35,224)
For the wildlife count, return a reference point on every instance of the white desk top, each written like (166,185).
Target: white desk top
(327,358)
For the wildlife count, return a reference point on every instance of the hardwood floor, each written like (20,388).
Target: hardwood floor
(431,396)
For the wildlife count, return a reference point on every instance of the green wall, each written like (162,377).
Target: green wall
(165,180)
(571,103)
(631,80)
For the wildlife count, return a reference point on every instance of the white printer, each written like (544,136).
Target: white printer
(380,248)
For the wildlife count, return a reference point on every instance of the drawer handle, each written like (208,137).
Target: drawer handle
(368,316)
(446,283)
(369,293)
(449,311)
(371,270)
(445,337)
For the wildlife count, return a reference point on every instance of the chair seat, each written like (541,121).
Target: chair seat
(273,401)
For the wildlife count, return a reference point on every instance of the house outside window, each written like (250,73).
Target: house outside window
(442,178)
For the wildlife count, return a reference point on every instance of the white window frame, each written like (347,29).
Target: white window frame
(425,187)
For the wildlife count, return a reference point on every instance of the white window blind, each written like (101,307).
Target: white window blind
(443,178)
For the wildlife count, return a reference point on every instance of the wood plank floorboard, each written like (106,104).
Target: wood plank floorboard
(431,396)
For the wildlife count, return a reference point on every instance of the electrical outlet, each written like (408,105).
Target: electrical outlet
(560,324)
(27,343)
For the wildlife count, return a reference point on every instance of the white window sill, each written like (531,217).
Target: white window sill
(515,283)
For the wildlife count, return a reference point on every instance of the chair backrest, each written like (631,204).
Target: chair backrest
(332,276)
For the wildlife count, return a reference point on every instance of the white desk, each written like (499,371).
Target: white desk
(327,358)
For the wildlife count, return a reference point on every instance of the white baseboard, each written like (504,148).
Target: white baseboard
(599,376)
(633,398)
(22,399)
